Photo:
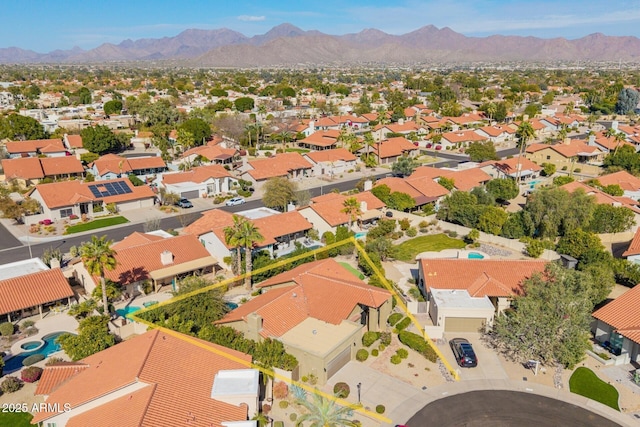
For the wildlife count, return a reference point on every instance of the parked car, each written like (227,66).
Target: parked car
(388,214)
(235,201)
(184,203)
(463,351)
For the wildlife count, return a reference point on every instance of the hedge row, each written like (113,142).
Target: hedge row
(417,343)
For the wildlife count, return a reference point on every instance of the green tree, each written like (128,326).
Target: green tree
(551,333)
(351,206)
(613,190)
(247,236)
(93,336)
(548,169)
(97,256)
(524,134)
(113,107)
(502,188)
(278,192)
(482,151)
(562,180)
(400,201)
(100,140)
(448,183)
(198,128)
(611,219)
(230,236)
(404,166)
(628,99)
(324,412)
(460,207)
(244,103)
(492,219)
(185,139)
(17,127)
(81,97)
(577,243)
(382,192)
(623,158)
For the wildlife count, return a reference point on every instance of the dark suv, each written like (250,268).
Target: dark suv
(463,351)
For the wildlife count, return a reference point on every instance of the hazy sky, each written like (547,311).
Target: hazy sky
(44,25)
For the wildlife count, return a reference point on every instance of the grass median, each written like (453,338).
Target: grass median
(586,383)
(98,223)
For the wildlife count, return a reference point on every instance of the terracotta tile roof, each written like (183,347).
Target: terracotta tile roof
(61,165)
(330,209)
(31,146)
(535,147)
(75,141)
(168,397)
(196,175)
(624,179)
(371,117)
(466,118)
(393,147)
(211,152)
(56,375)
(463,136)
(428,187)
(623,313)
(111,163)
(334,155)
(210,220)
(464,180)
(135,239)
(495,131)
(33,289)
(136,262)
(322,290)
(601,197)
(68,193)
(568,149)
(493,278)
(279,165)
(322,138)
(634,246)
(152,162)
(415,188)
(406,127)
(23,168)
(609,143)
(510,166)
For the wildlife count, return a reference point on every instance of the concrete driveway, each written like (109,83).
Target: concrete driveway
(489,365)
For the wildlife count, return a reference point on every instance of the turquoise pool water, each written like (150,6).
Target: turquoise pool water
(50,346)
(475,255)
(124,312)
(231,305)
(361,234)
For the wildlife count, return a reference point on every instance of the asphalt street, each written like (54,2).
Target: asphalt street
(497,408)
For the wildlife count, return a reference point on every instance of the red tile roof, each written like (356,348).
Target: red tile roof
(322,138)
(330,208)
(61,165)
(196,175)
(493,278)
(634,246)
(166,397)
(75,141)
(463,136)
(279,165)
(68,193)
(211,152)
(33,289)
(31,146)
(393,147)
(421,190)
(23,168)
(510,166)
(624,179)
(623,313)
(601,197)
(463,180)
(337,154)
(322,290)
(56,375)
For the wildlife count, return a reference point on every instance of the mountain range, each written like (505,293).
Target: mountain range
(287,45)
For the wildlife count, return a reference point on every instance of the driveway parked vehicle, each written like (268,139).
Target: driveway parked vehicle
(463,351)
(184,203)
(235,201)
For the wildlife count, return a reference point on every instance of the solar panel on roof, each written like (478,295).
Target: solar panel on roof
(95,191)
(124,187)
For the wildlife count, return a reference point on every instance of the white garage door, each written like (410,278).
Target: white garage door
(189,194)
(338,362)
(464,324)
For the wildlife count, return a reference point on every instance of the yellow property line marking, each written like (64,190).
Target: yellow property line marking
(270,372)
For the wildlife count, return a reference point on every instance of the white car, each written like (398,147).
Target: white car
(235,201)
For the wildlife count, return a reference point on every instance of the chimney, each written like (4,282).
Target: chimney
(166,257)
(592,140)
(54,263)
(566,141)
(400,121)
(363,206)
(368,185)
(254,326)
(614,125)
(291,207)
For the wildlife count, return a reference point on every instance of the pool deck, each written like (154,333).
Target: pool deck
(50,324)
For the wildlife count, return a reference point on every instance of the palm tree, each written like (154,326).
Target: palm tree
(246,236)
(524,133)
(324,412)
(97,256)
(491,110)
(619,138)
(230,238)
(351,208)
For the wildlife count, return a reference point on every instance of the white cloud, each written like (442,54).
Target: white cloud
(251,18)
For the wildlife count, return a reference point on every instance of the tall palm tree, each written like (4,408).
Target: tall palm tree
(491,110)
(247,236)
(324,412)
(524,133)
(619,138)
(351,207)
(230,237)
(97,256)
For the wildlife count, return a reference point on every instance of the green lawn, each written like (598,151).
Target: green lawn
(297,150)
(353,271)
(408,250)
(586,383)
(15,419)
(98,223)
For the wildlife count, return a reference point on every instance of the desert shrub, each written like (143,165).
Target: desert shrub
(369,338)
(362,355)
(266,408)
(404,224)
(53,361)
(293,416)
(280,390)
(385,338)
(375,352)
(278,423)
(304,379)
(7,329)
(10,385)
(394,318)
(417,343)
(34,358)
(412,232)
(380,409)
(284,404)
(381,347)
(395,359)
(423,224)
(341,390)
(26,324)
(402,325)
(31,374)
(313,379)
(403,353)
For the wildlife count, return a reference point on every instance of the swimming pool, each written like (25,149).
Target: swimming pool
(50,346)
(231,305)
(124,312)
(534,183)
(361,234)
(475,255)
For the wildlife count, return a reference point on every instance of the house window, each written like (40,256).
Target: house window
(51,424)
(548,157)
(65,213)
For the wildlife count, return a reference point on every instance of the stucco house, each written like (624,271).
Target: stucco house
(201,181)
(112,166)
(35,147)
(568,156)
(319,311)
(331,162)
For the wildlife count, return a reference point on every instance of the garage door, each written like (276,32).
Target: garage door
(189,194)
(338,362)
(464,324)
